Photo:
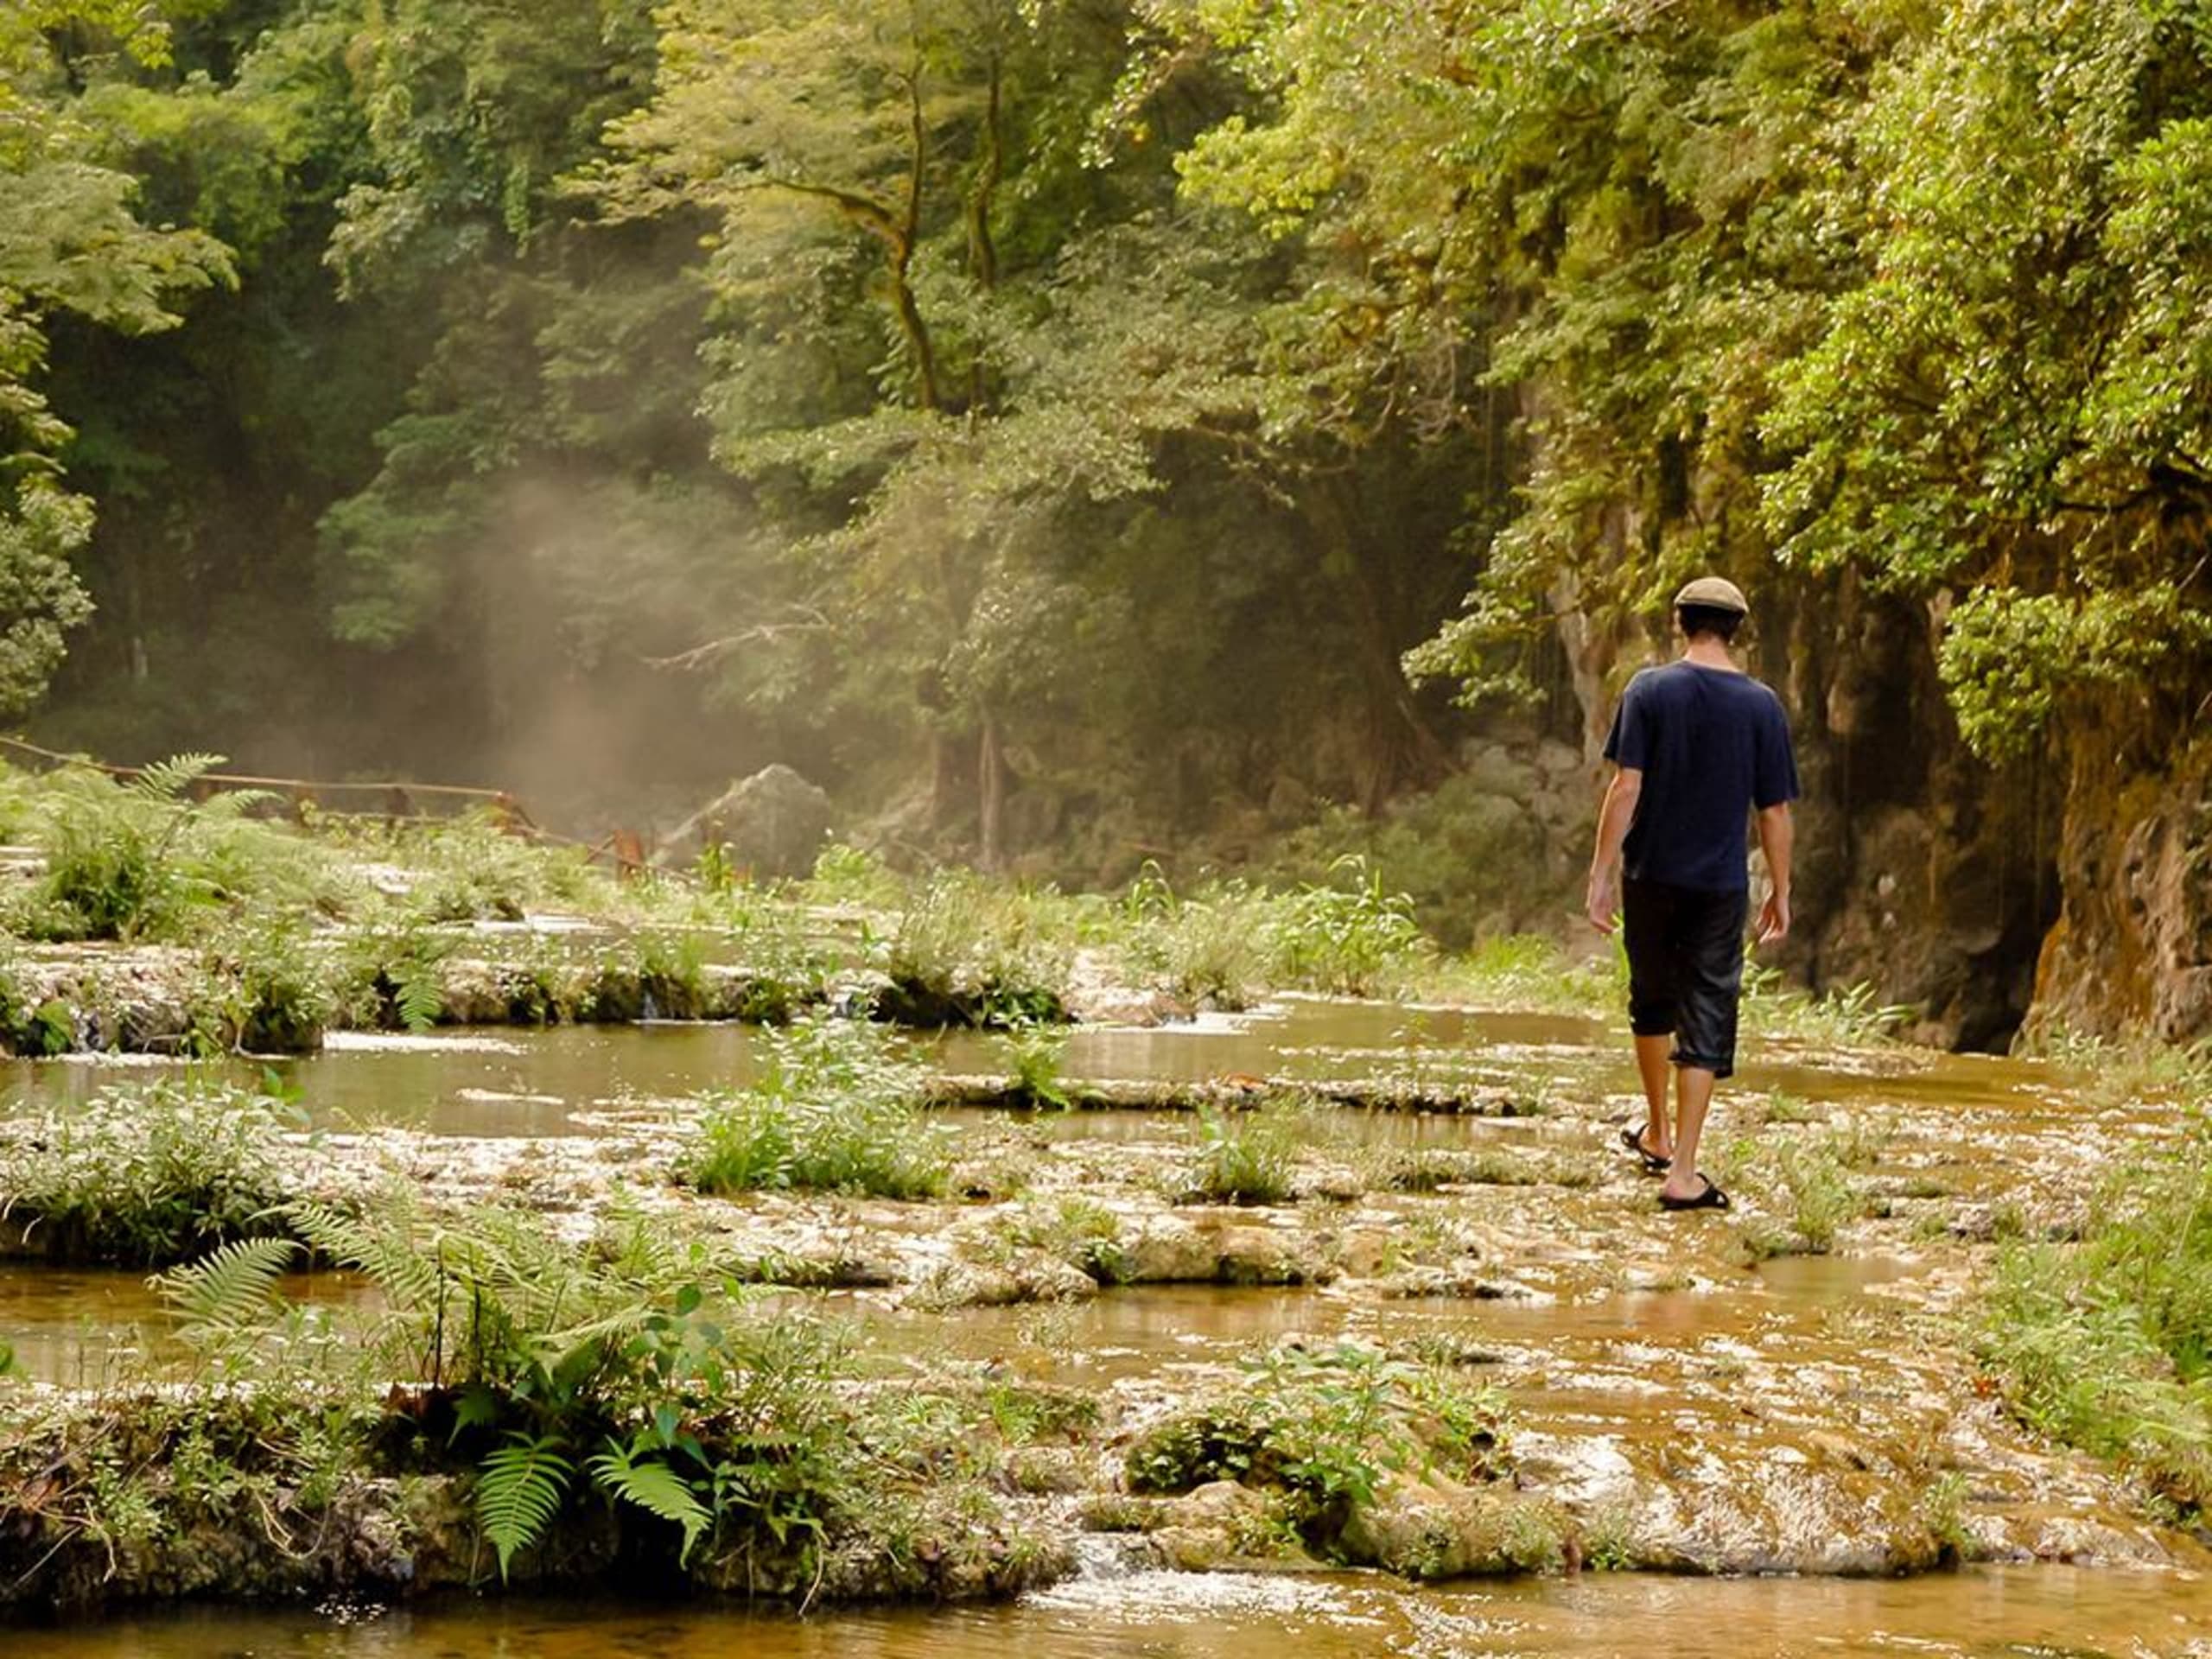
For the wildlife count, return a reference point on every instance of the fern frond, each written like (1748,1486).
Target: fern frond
(655,1488)
(518,1492)
(420,996)
(164,781)
(230,1288)
(390,1248)
(232,804)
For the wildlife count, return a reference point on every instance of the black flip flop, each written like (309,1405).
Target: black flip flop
(1633,1138)
(1712,1198)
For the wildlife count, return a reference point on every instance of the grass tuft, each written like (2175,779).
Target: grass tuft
(836,1109)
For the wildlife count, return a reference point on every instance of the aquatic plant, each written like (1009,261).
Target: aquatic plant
(2110,1072)
(1326,1427)
(1207,949)
(1346,936)
(475,868)
(261,991)
(1808,1182)
(736,1443)
(1244,1157)
(390,975)
(147,1173)
(835,1109)
(1036,1053)
(1425,1168)
(845,875)
(968,951)
(1079,1231)
(1844,1016)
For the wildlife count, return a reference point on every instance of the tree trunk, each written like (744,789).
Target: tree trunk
(990,795)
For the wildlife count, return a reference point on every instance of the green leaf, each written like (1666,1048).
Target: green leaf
(519,1491)
(655,1488)
(230,1288)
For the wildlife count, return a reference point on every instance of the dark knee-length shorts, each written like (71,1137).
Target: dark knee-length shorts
(1685,969)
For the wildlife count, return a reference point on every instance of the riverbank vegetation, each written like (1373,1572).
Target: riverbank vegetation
(2106,1340)
(143,918)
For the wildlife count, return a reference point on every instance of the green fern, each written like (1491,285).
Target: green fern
(419,994)
(165,781)
(518,1492)
(230,1289)
(393,1249)
(655,1488)
(231,804)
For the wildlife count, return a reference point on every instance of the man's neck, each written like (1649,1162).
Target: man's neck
(1708,652)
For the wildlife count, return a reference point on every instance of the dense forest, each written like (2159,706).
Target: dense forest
(1074,432)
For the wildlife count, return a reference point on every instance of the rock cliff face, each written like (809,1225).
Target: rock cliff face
(2132,949)
(1925,874)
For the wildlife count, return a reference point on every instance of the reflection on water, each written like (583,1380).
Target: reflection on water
(82,1327)
(2013,1612)
(537,1083)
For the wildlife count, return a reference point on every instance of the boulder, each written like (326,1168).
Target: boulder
(773,824)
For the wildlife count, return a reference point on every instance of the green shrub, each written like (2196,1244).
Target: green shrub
(1468,859)
(1345,935)
(1036,1053)
(1348,936)
(1524,970)
(475,868)
(262,992)
(148,1174)
(140,859)
(391,975)
(971,951)
(1080,1231)
(1847,1015)
(853,875)
(836,1109)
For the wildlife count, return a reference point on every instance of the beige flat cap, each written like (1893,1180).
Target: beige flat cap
(1715,594)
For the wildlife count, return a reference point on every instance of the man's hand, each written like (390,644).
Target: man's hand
(1774,918)
(1603,901)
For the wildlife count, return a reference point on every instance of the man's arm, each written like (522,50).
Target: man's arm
(1776,834)
(1618,811)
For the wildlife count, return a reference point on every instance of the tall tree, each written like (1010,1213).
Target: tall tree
(70,246)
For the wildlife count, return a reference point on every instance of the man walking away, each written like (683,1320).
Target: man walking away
(1696,746)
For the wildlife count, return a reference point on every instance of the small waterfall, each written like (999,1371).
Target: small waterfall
(1102,1556)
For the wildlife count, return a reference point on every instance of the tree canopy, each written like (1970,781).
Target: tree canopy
(1023,404)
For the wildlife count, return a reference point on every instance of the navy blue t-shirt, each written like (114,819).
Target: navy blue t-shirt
(1711,745)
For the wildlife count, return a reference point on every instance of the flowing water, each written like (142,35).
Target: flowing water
(2043,1612)
(1633,1352)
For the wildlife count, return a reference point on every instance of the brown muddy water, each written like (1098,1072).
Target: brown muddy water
(1648,1362)
(2045,1612)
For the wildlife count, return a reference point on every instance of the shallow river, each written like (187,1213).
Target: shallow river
(1599,1365)
(2044,1612)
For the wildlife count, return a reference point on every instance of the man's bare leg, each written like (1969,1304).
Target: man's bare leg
(1693,1096)
(1652,1064)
